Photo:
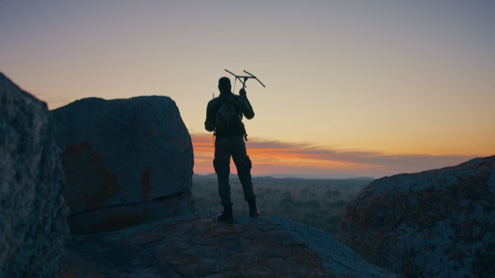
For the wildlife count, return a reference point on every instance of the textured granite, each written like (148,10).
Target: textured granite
(33,215)
(438,223)
(126,161)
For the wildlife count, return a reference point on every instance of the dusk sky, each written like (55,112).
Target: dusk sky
(353,88)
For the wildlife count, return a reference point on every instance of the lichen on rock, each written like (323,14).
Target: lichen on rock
(126,161)
(199,246)
(438,223)
(33,214)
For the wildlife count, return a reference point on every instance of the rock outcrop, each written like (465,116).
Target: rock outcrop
(201,247)
(33,214)
(126,162)
(438,223)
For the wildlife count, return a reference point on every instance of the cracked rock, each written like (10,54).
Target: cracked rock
(126,162)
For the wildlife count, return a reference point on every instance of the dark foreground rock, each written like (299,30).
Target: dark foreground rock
(439,223)
(32,211)
(201,247)
(126,162)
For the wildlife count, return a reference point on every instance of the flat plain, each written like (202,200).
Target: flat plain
(315,202)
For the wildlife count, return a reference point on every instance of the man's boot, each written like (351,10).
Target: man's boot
(253,211)
(227,215)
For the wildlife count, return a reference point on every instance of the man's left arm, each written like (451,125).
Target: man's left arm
(210,118)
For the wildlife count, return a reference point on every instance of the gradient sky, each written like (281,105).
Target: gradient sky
(352,87)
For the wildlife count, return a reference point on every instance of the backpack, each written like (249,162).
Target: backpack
(227,120)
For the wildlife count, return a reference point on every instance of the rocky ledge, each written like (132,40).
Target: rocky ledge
(199,246)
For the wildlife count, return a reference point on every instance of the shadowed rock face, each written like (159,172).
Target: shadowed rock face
(126,162)
(438,223)
(201,247)
(33,214)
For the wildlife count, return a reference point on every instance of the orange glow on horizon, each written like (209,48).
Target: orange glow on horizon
(292,159)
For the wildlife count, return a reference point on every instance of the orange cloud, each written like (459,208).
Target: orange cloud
(287,159)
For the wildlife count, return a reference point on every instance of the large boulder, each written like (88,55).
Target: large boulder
(126,162)
(33,215)
(201,247)
(438,223)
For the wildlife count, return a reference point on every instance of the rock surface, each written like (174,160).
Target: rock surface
(126,161)
(438,223)
(201,247)
(32,211)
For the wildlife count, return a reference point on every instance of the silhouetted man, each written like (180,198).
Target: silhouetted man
(224,117)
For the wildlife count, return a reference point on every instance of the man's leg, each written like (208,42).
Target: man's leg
(221,163)
(244,165)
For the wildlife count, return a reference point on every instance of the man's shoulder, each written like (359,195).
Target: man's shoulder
(214,102)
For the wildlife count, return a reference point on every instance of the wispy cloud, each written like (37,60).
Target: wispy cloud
(288,159)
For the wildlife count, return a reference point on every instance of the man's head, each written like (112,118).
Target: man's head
(224,85)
